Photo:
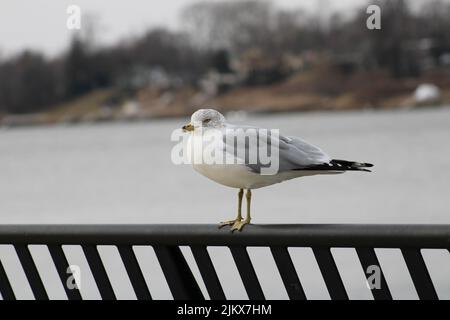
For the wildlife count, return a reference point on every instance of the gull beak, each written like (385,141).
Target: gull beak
(188,127)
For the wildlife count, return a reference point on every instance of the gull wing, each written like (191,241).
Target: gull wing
(293,153)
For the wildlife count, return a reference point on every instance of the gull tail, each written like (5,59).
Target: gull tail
(339,165)
(350,165)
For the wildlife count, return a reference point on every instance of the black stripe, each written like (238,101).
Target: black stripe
(31,272)
(247,273)
(330,273)
(419,274)
(98,272)
(5,286)
(208,272)
(61,264)
(134,272)
(288,274)
(178,275)
(368,258)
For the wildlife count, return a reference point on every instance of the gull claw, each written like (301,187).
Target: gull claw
(239,225)
(229,223)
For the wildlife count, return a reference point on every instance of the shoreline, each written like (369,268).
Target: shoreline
(40,120)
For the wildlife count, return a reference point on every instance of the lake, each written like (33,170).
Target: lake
(122,173)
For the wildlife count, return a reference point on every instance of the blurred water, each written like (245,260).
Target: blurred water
(122,173)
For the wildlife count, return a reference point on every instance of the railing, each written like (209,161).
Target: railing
(166,239)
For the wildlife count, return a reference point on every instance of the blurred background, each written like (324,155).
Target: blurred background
(137,61)
(86,115)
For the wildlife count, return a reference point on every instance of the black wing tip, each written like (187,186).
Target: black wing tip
(340,165)
(350,164)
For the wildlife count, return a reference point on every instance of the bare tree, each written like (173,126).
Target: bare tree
(231,25)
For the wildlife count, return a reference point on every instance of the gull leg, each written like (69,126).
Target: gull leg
(239,216)
(239,225)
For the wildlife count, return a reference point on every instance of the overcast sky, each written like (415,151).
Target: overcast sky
(41,24)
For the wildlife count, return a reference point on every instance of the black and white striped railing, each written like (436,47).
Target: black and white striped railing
(167,239)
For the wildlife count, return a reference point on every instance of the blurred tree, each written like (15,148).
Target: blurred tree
(171,51)
(389,46)
(435,25)
(78,70)
(27,83)
(220,61)
(86,66)
(235,25)
(264,40)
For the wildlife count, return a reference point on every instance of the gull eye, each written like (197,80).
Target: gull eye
(206,121)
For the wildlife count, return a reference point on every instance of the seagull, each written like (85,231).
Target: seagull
(296,158)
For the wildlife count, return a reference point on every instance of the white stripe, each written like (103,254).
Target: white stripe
(116,272)
(153,274)
(48,273)
(267,273)
(87,287)
(438,265)
(396,274)
(16,275)
(227,273)
(309,273)
(189,257)
(351,273)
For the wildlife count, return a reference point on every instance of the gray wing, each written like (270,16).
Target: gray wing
(293,153)
(296,154)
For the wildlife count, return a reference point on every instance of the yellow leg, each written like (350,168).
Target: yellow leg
(239,225)
(239,216)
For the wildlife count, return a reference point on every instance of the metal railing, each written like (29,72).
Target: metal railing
(167,239)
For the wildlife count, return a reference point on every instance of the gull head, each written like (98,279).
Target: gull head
(206,118)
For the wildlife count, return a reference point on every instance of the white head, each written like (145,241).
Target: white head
(207,118)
